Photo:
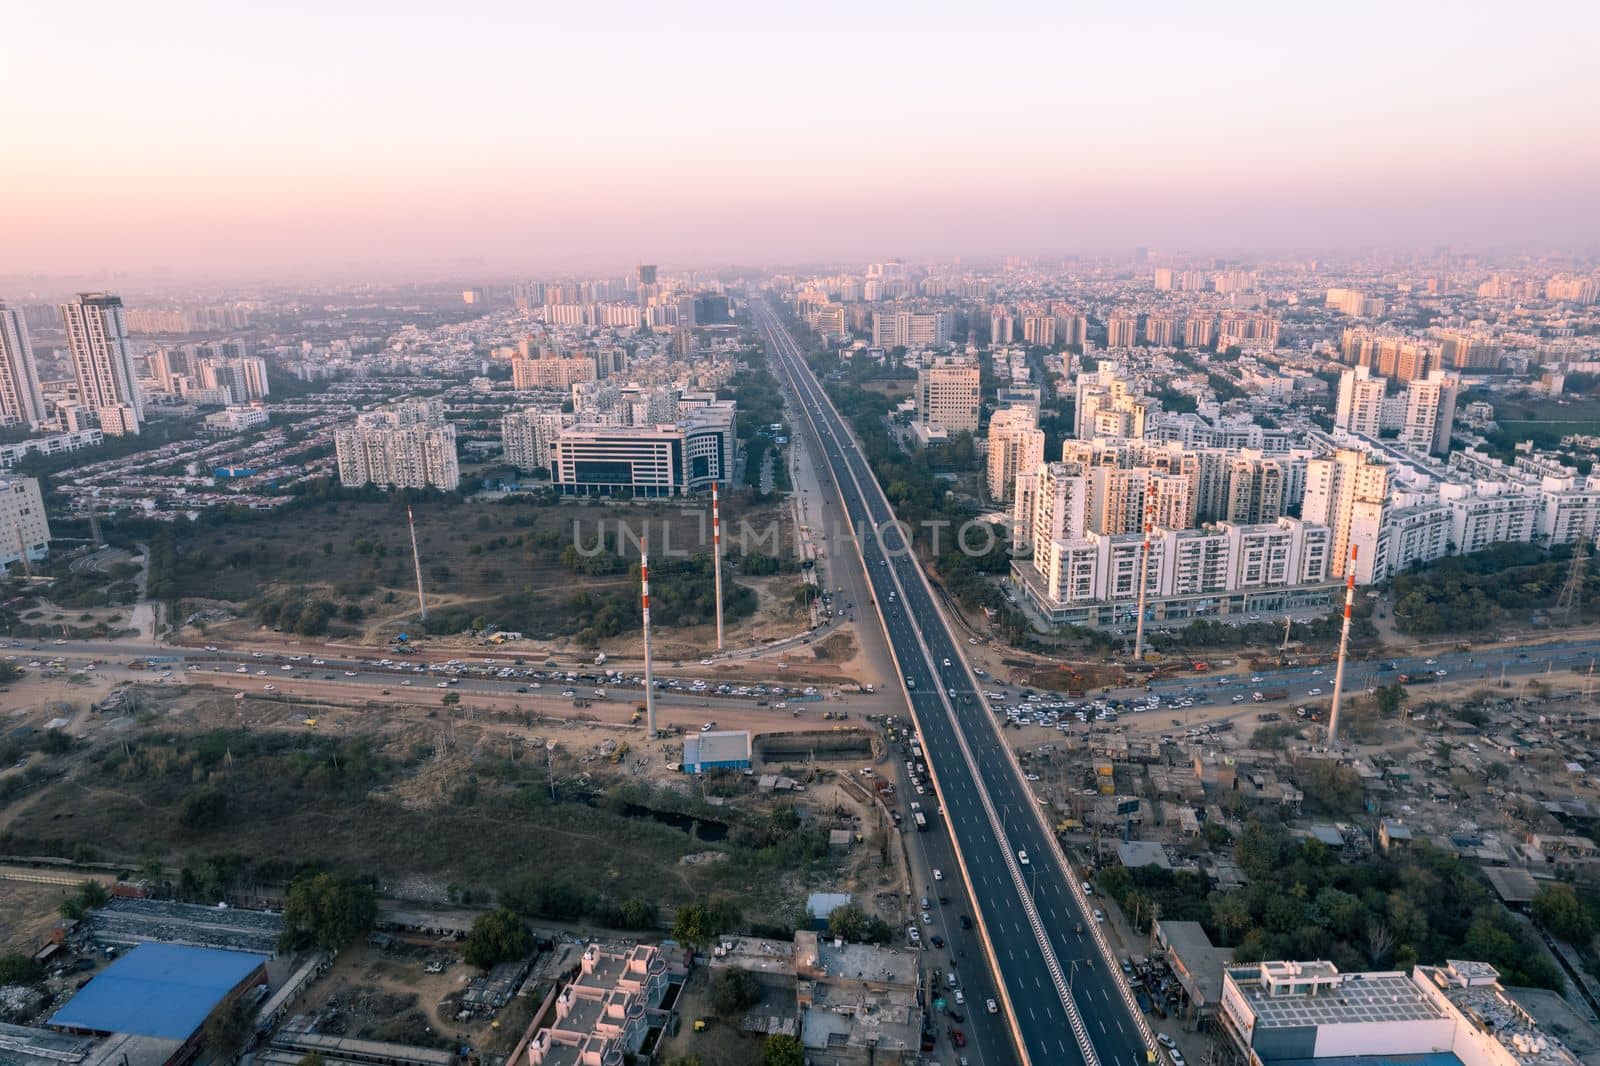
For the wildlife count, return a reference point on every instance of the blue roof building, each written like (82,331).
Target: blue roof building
(160,990)
(727,749)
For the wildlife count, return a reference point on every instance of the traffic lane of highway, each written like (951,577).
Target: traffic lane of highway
(938,646)
(1040,1019)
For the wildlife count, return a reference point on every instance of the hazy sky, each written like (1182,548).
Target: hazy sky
(272,137)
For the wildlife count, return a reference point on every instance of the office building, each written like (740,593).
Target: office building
(1015,444)
(669,459)
(408,445)
(1360,407)
(1347,492)
(21,403)
(24,532)
(102,362)
(947,393)
(526,435)
(1458,1013)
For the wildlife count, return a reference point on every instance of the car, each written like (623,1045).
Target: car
(961,997)
(1033,777)
(407,681)
(1176,1056)
(947,662)
(1022,857)
(927,919)
(241,670)
(269,688)
(966,923)
(955,1015)
(1439,673)
(708,727)
(990,1006)
(972,640)
(938,874)
(1314,692)
(442,684)
(936,940)
(1257,679)
(705,662)
(1165,1041)
(1238,698)
(1099,915)
(349,673)
(957,1037)
(1088,889)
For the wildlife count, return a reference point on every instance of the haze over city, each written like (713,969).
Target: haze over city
(380,139)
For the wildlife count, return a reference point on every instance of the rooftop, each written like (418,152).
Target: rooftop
(160,990)
(1136,853)
(1290,994)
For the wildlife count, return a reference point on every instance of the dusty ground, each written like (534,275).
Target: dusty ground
(386,994)
(27,912)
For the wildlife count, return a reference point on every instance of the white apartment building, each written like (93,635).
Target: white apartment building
(408,445)
(947,393)
(1430,411)
(1015,444)
(1348,492)
(1106,393)
(1360,407)
(24,531)
(1226,569)
(1122,499)
(103,363)
(1060,500)
(21,402)
(526,436)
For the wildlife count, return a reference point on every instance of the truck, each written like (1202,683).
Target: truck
(1268,697)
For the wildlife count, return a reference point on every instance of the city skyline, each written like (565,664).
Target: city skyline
(391,141)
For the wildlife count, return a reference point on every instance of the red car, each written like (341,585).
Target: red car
(957,1037)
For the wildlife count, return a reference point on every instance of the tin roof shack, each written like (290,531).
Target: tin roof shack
(858,1003)
(1197,963)
(727,749)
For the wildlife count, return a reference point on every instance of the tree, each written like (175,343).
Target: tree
(781,1049)
(1390,697)
(227,1030)
(496,937)
(848,922)
(327,911)
(19,969)
(1556,907)
(734,991)
(205,809)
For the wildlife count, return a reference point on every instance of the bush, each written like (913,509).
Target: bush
(734,991)
(328,912)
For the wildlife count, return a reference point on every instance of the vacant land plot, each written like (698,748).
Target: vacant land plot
(27,912)
(546,569)
(242,795)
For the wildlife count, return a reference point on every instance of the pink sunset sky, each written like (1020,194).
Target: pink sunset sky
(276,138)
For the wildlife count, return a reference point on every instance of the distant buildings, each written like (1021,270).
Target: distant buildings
(1107,405)
(527,434)
(1355,303)
(21,403)
(236,419)
(910,329)
(551,372)
(408,445)
(24,531)
(103,363)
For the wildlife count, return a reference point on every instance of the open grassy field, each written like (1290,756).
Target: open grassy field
(517,564)
(429,806)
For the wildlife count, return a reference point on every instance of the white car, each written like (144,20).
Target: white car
(1314,692)
(961,997)
(938,874)
(947,662)
(1022,857)
(991,1006)
(269,688)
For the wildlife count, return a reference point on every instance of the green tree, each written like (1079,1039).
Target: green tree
(19,969)
(781,1049)
(328,912)
(1390,697)
(848,922)
(496,937)
(1557,908)
(733,991)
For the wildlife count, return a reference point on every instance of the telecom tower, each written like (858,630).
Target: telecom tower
(1569,605)
(1344,646)
(716,555)
(416,560)
(649,668)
